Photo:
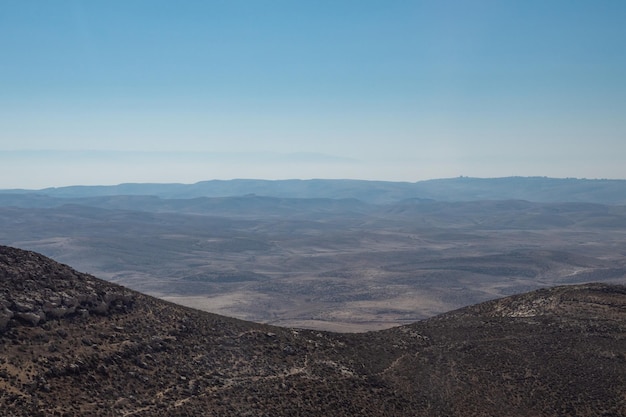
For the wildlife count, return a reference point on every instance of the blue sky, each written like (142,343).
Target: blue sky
(104,92)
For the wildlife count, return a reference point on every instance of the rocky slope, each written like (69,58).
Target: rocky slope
(73,345)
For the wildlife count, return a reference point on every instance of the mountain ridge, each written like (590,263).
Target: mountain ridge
(98,349)
(537,189)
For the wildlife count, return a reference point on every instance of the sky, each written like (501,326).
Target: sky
(107,92)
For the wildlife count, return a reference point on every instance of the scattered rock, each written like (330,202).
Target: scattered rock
(5,316)
(30,318)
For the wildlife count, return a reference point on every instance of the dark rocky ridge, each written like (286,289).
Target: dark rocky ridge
(34,290)
(72,345)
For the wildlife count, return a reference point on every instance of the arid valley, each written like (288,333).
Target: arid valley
(391,256)
(394,303)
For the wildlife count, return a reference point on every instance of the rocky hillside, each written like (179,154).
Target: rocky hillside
(73,345)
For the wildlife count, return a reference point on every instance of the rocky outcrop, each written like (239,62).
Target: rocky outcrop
(51,291)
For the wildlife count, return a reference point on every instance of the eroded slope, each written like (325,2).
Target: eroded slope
(71,345)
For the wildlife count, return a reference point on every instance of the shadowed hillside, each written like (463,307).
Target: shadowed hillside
(73,345)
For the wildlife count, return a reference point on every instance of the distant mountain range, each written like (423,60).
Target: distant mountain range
(535,189)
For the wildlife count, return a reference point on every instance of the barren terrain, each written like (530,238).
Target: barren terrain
(335,264)
(74,345)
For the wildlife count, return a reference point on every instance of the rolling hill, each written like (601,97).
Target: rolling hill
(74,345)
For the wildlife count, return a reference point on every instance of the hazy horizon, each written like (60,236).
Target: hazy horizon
(69,168)
(167,181)
(152,91)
